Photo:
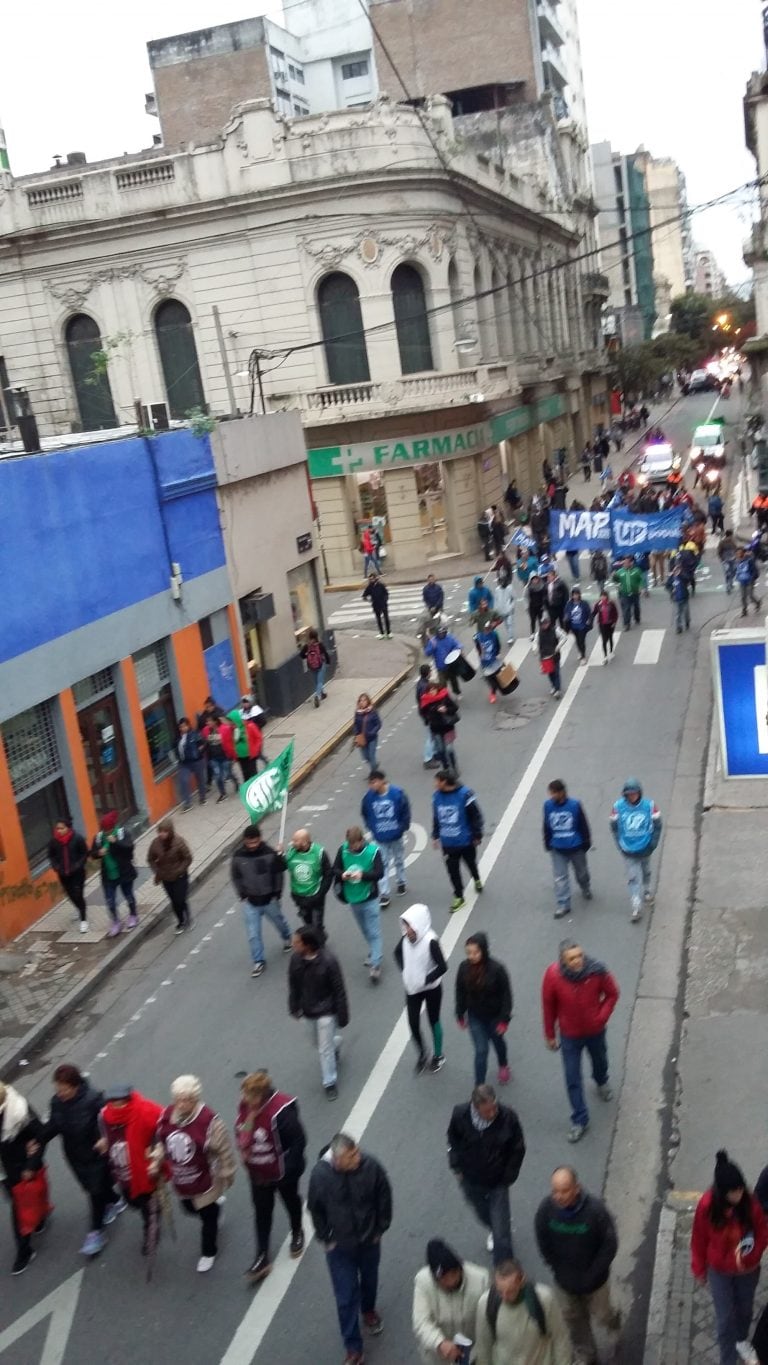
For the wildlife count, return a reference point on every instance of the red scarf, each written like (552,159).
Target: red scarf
(64,839)
(138,1119)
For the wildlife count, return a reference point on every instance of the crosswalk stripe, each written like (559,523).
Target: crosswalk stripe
(649,647)
(596,657)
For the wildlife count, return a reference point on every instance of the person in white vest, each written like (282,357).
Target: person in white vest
(194,1142)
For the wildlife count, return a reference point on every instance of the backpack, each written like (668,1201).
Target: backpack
(532,1302)
(314,655)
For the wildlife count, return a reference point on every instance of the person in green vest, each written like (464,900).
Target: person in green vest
(310,875)
(630,582)
(357,871)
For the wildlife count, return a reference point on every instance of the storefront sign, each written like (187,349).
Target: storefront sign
(304,542)
(332,461)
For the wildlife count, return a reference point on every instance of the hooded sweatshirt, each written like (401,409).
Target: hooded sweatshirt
(421,963)
(483,989)
(439,1315)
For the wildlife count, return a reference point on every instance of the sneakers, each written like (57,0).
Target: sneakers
(131,921)
(576,1133)
(401,888)
(505,1075)
(373,1324)
(605,1092)
(562,911)
(637,914)
(259,1270)
(421,1065)
(23,1259)
(478,886)
(375,975)
(381,635)
(436,1065)
(115,929)
(384,901)
(649,897)
(257,969)
(83,926)
(586,893)
(205,1264)
(179,929)
(331,1092)
(222,797)
(113,1211)
(457,903)
(555,694)
(492,698)
(288,946)
(297,1244)
(93,1244)
(354,1358)
(315,701)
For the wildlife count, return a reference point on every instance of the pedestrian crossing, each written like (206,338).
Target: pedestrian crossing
(405,604)
(646,647)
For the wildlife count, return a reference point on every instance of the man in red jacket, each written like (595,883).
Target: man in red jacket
(578,997)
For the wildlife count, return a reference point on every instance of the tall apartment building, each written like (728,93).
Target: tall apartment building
(671,243)
(626,252)
(756,245)
(708,278)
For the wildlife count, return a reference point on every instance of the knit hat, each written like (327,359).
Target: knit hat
(728,1177)
(107,822)
(632,785)
(441,1259)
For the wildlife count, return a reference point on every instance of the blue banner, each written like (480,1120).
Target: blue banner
(522,539)
(222,674)
(616,530)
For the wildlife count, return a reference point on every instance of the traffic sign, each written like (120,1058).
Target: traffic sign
(741,693)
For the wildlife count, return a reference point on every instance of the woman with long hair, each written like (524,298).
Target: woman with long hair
(729,1237)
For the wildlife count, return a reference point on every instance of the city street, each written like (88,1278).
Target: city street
(192,1006)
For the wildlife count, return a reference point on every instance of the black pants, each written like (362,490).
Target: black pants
(209,1218)
(263,1197)
(533,615)
(718,522)
(413,1003)
(606,635)
(312,913)
(177,895)
(382,619)
(580,636)
(23,1244)
(453,860)
(73,884)
(101,1193)
(248,768)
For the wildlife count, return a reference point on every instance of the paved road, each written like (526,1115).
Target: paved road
(193,1007)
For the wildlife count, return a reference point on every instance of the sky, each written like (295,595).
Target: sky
(669,74)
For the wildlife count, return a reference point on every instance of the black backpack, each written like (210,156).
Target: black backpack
(532,1302)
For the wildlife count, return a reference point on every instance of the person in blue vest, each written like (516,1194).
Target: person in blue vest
(577,618)
(479,598)
(680,596)
(488,647)
(457,828)
(567,839)
(386,811)
(636,827)
(746,575)
(437,648)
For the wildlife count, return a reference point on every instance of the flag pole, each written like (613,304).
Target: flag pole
(281,840)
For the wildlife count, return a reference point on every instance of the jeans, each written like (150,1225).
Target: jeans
(263,1200)
(368,917)
(509,625)
(733,1297)
(580,636)
(748,595)
(572,1048)
(580,1309)
(392,852)
(371,564)
(682,614)
(253,917)
(368,752)
(562,862)
(729,569)
(445,753)
(186,772)
(354,1275)
(573,563)
(638,878)
(453,860)
(429,745)
(319,681)
(492,1208)
(630,606)
(209,1218)
(323,1030)
(73,886)
(221,771)
(483,1033)
(554,677)
(110,896)
(177,895)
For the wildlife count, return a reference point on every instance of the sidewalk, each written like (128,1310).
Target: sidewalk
(50,968)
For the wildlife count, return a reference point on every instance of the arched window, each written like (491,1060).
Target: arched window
(178,357)
(411,320)
(342,325)
(89,375)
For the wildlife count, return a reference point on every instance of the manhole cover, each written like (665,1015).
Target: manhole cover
(524,712)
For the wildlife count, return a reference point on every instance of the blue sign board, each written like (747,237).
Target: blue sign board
(741,692)
(616,530)
(580,530)
(222,675)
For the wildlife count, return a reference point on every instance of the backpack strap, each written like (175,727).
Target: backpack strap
(532,1302)
(492,1306)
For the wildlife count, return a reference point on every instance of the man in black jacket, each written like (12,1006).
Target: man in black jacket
(316,992)
(350,1203)
(257,876)
(74,1117)
(377,594)
(484,1005)
(485,1152)
(557,596)
(577,1238)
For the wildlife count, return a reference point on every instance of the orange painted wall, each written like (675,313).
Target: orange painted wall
(79,767)
(160,796)
(22,898)
(236,635)
(190,669)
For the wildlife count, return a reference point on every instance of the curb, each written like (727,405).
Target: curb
(658,1302)
(128,946)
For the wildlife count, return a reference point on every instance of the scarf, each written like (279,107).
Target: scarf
(478,1122)
(134,1124)
(14,1114)
(591,968)
(63,838)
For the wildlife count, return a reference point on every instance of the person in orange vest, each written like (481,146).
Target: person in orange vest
(759,509)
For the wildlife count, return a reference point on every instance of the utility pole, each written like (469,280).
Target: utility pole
(224,360)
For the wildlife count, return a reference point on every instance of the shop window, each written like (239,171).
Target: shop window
(341,321)
(206,632)
(411,320)
(353,71)
(91,688)
(36,774)
(178,358)
(302,591)
(90,378)
(153,677)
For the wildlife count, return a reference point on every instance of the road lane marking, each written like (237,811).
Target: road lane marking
(596,657)
(60,1306)
(649,647)
(259,1316)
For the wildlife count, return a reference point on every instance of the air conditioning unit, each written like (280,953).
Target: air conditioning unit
(256,608)
(279,73)
(155,417)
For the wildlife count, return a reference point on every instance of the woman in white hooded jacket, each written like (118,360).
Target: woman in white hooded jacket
(420,959)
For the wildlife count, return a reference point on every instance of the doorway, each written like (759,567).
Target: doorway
(104,749)
(431,494)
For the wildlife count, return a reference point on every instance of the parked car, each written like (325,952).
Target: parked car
(700,381)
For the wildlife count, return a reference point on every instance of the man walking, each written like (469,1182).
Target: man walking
(680,598)
(568,839)
(357,870)
(170,858)
(746,574)
(386,811)
(557,596)
(309,877)
(457,828)
(578,997)
(636,827)
(350,1204)
(316,992)
(629,579)
(576,1236)
(377,593)
(520,1323)
(486,1148)
(257,876)
(726,553)
(191,751)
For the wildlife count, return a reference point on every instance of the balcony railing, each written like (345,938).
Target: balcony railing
(549,23)
(595,284)
(338,402)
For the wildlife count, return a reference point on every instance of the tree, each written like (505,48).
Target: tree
(690,315)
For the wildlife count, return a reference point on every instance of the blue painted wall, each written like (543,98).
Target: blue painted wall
(88,531)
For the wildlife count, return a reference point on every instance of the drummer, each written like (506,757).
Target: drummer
(489,651)
(445,652)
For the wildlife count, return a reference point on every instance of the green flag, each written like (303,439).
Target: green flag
(266,792)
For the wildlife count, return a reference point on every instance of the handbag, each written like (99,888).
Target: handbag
(548,665)
(507,679)
(360,740)
(31,1203)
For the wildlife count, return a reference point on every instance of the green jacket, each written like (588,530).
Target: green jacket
(630,581)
